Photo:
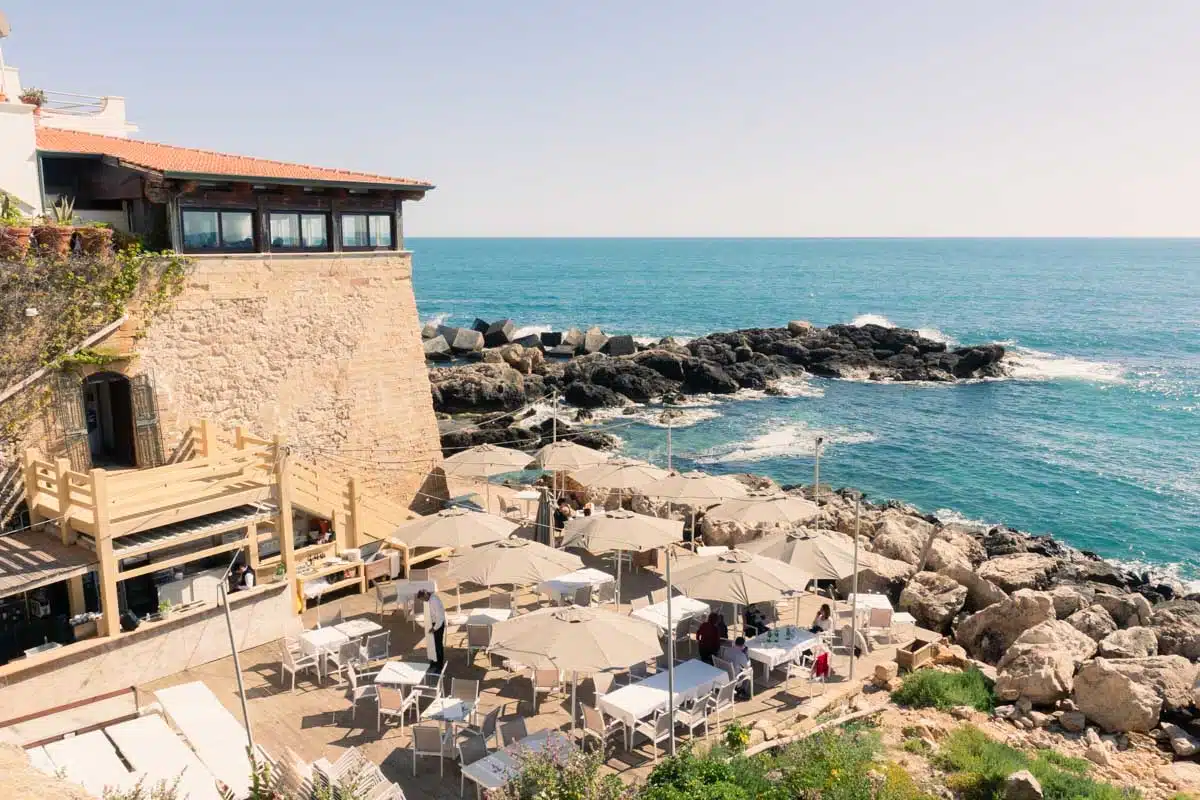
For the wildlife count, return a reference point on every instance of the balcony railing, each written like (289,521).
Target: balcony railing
(74,104)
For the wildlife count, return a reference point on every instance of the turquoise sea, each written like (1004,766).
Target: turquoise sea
(1096,440)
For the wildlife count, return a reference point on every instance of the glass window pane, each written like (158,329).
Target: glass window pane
(285,230)
(237,229)
(381,230)
(200,230)
(354,231)
(312,230)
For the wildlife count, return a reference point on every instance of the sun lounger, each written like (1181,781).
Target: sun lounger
(150,746)
(215,735)
(90,761)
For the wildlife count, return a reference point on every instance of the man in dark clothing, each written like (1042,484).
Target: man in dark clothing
(708,639)
(562,514)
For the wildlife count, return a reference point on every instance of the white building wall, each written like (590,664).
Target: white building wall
(18,156)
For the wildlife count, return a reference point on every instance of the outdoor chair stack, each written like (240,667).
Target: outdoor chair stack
(354,770)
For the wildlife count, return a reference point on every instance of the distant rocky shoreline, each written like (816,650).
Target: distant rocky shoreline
(499,371)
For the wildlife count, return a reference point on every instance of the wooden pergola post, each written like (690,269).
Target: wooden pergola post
(63,483)
(353,535)
(252,548)
(110,621)
(287,541)
(31,488)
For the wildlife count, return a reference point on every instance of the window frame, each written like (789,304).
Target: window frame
(367,216)
(299,214)
(220,211)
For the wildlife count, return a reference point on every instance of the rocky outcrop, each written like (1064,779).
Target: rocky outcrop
(981,592)
(1094,621)
(988,634)
(1177,625)
(1018,571)
(1022,785)
(933,599)
(1114,700)
(1069,599)
(1041,663)
(884,576)
(477,387)
(1133,642)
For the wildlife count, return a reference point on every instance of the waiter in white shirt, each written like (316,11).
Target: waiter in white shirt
(435,619)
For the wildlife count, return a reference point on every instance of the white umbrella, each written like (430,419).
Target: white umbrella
(454,527)
(826,556)
(484,461)
(694,488)
(619,473)
(567,457)
(757,510)
(739,577)
(621,530)
(518,562)
(574,639)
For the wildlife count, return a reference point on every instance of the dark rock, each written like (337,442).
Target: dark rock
(594,340)
(532,340)
(561,351)
(477,387)
(978,362)
(705,376)
(499,333)
(620,346)
(551,338)
(590,395)
(670,365)
(480,325)
(437,349)
(458,437)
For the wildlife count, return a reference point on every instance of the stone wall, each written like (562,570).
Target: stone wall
(322,348)
(155,650)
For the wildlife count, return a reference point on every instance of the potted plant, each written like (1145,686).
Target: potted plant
(14,230)
(53,235)
(164,608)
(96,239)
(34,97)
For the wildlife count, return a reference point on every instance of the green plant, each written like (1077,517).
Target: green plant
(562,774)
(164,606)
(899,785)
(157,791)
(737,736)
(918,747)
(945,690)
(10,213)
(62,213)
(833,764)
(33,96)
(88,356)
(719,775)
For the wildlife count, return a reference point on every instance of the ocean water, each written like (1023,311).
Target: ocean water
(1096,439)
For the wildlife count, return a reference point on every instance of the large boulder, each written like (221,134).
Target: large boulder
(799,327)
(1041,663)
(1122,608)
(884,576)
(988,634)
(1022,785)
(667,363)
(590,395)
(708,377)
(981,592)
(463,340)
(573,337)
(499,333)
(620,346)
(901,537)
(1135,642)
(550,338)
(1018,571)
(477,387)
(437,349)
(1069,599)
(933,600)
(1094,621)
(1114,700)
(1177,625)
(1171,677)
(594,340)
(429,330)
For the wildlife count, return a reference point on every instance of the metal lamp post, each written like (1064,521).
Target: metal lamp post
(223,588)
(854,581)
(817,470)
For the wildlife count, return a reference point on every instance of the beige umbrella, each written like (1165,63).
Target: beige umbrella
(740,578)
(619,473)
(484,461)
(621,530)
(567,457)
(827,557)
(756,510)
(518,562)
(574,639)
(454,527)
(694,488)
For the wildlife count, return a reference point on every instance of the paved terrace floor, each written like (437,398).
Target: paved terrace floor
(304,720)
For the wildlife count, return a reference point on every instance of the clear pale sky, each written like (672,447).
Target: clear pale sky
(1060,117)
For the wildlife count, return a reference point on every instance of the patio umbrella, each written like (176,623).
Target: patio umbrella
(575,640)
(619,531)
(454,527)
(517,562)
(740,578)
(619,473)
(756,510)
(827,557)
(567,457)
(694,488)
(484,461)
(543,525)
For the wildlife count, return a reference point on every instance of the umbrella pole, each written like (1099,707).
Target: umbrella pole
(574,711)
(618,580)
(854,595)
(670,656)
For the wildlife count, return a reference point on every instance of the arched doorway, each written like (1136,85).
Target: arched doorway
(108,411)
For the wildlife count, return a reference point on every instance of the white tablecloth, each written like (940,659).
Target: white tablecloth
(484,616)
(788,645)
(402,673)
(497,769)
(866,602)
(405,591)
(632,703)
(355,628)
(711,550)
(564,586)
(321,639)
(681,608)
(447,709)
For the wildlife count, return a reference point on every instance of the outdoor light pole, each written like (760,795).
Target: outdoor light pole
(854,582)
(223,588)
(817,470)
(670,655)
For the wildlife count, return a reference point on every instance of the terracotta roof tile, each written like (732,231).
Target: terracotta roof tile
(189,161)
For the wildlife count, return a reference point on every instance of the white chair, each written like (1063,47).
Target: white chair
(879,623)
(479,637)
(745,676)
(486,730)
(394,703)
(465,690)
(382,599)
(430,686)
(500,600)
(602,682)
(377,647)
(337,619)
(470,750)
(657,730)
(723,702)
(360,690)
(417,575)
(606,593)
(803,669)
(596,726)
(694,716)
(347,654)
(637,672)
(514,731)
(295,661)
(427,741)
(544,681)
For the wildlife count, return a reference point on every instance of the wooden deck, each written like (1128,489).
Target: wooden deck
(305,720)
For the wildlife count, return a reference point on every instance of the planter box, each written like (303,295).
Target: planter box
(914,654)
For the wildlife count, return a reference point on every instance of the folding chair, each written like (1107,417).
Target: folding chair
(479,637)
(427,741)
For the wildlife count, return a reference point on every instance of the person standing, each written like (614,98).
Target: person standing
(435,620)
(708,639)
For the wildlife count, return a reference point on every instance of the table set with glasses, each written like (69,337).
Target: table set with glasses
(780,646)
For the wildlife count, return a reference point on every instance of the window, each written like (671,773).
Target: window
(218,230)
(298,231)
(367,231)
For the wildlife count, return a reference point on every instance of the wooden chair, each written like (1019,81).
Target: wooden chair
(427,741)
(295,661)
(514,731)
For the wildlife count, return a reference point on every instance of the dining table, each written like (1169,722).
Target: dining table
(496,769)
(780,646)
(682,608)
(357,628)
(641,700)
(564,586)
(402,673)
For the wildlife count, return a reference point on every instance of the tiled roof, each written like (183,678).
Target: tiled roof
(172,160)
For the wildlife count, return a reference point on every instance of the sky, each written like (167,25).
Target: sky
(622,118)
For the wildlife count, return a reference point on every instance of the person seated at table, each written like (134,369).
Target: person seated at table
(754,623)
(562,515)
(740,658)
(823,621)
(708,639)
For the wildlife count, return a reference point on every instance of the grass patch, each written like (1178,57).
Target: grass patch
(928,688)
(918,747)
(977,766)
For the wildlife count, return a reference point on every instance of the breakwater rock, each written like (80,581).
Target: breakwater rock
(590,369)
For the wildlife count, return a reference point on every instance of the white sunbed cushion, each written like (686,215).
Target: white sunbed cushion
(150,746)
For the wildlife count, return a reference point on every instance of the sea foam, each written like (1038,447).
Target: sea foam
(933,334)
(1033,365)
(796,439)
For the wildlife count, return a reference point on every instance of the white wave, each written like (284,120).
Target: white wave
(646,341)
(1180,577)
(438,319)
(787,440)
(797,386)
(653,415)
(949,516)
(1033,365)
(531,330)
(933,334)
